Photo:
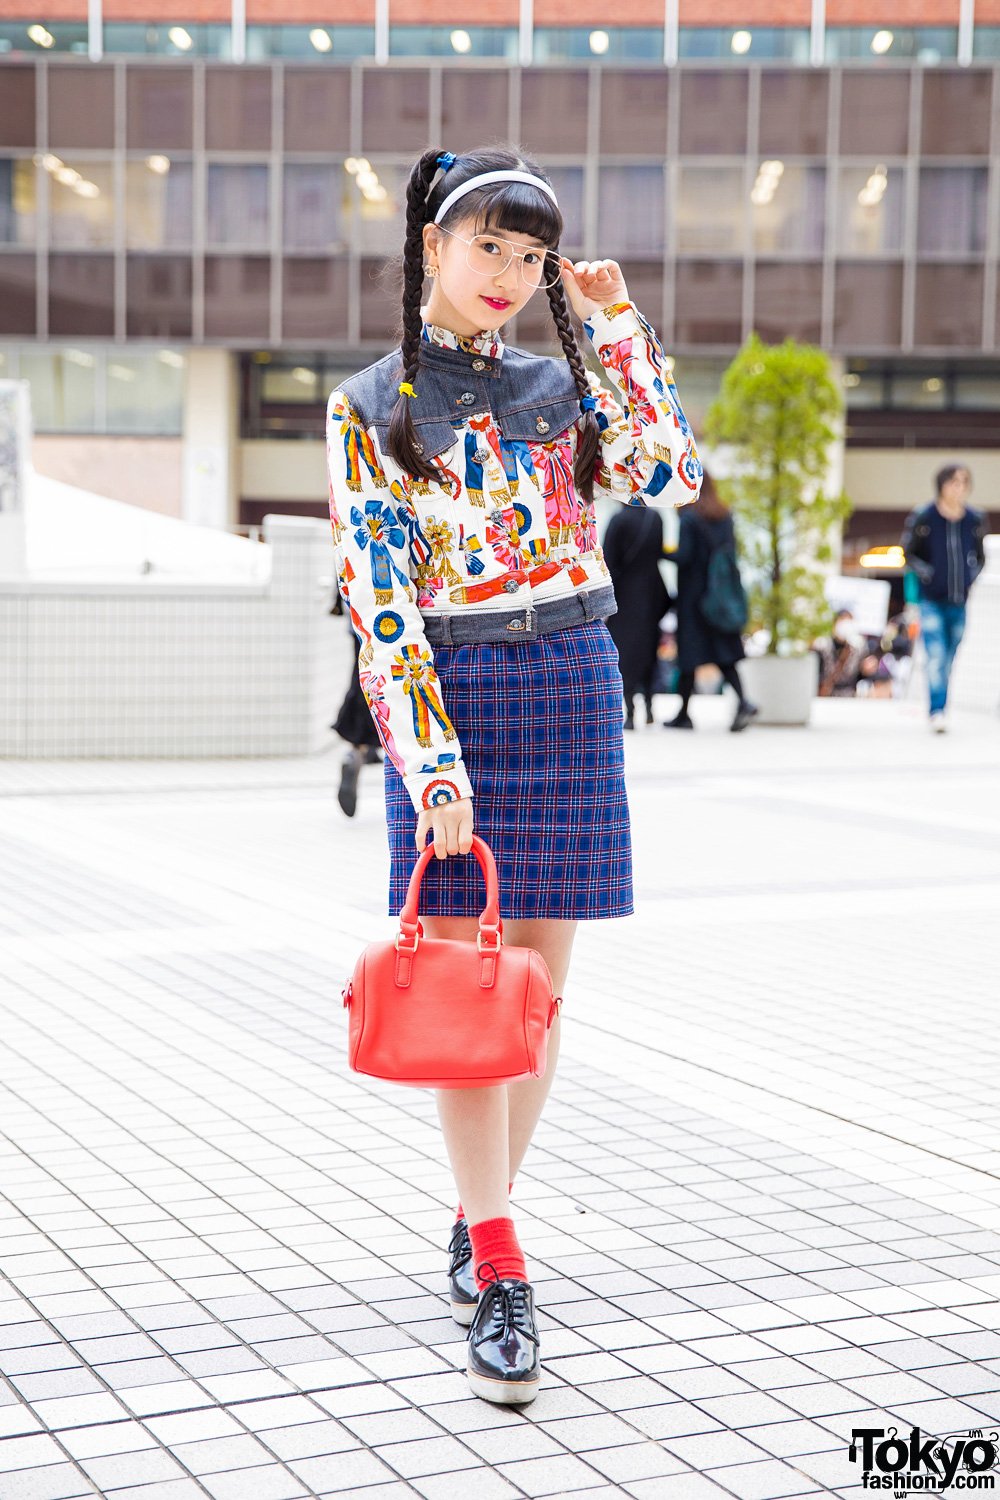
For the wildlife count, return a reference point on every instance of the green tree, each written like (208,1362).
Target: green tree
(775,409)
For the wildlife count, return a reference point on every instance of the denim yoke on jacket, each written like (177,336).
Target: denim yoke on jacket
(503,528)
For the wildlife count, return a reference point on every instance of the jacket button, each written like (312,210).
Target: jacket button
(541,425)
(418,447)
(479,364)
(467,398)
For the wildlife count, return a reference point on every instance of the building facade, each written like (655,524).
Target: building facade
(197,237)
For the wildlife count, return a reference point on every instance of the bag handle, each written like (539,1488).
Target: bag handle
(490,932)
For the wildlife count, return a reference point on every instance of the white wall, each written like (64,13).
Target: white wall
(900,478)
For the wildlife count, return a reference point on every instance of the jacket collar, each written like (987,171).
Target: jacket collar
(488,342)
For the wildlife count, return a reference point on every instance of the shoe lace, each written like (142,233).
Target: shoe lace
(508,1306)
(460,1247)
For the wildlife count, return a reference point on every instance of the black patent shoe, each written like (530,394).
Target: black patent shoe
(504,1364)
(462,1289)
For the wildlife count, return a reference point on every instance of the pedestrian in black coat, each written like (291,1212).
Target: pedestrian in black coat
(706,527)
(633,547)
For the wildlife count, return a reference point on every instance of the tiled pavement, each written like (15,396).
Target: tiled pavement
(762,1206)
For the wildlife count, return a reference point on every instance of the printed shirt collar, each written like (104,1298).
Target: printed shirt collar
(487,342)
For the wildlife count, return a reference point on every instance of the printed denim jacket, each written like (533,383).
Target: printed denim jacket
(504,524)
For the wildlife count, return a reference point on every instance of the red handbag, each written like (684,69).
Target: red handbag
(445,1014)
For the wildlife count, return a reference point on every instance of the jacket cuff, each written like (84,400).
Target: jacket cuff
(617,321)
(447,783)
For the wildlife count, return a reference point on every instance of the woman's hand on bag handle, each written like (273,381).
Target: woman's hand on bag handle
(450,828)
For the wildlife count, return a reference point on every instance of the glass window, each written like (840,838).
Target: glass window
(17,294)
(315,298)
(396,107)
(793,112)
(713,113)
(159,108)
(17,107)
(159,202)
(330,41)
(952,217)
(381,296)
(237,296)
(238,207)
(787,301)
(316,206)
(317,109)
(597,44)
(956,112)
(158,296)
(711,211)
(63,388)
(924,44)
(457,43)
(874,113)
(868,306)
(949,305)
(631,211)
(380,208)
(928,391)
(568,185)
(481,94)
(82,203)
(81,108)
(165,39)
(82,294)
(64,36)
(553,104)
(864,387)
(238,109)
(144,390)
(744,43)
(788,208)
(986,41)
(870,210)
(627,96)
(708,302)
(18,207)
(980,392)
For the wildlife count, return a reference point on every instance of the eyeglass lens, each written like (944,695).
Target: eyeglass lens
(488,255)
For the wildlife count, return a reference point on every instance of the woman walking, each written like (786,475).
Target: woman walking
(462,475)
(633,547)
(707,533)
(355,725)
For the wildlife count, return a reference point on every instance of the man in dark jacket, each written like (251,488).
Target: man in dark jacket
(943,543)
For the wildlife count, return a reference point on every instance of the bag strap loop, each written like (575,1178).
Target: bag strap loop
(490,934)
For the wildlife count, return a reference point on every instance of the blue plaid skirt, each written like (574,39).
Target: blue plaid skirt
(540,725)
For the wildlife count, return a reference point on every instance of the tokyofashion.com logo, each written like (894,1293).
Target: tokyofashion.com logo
(891,1462)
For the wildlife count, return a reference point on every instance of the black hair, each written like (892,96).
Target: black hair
(514,207)
(948,471)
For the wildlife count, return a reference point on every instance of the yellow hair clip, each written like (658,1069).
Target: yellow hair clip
(405,388)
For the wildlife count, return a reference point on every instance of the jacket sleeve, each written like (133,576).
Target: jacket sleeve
(372,523)
(648,453)
(913,549)
(979,546)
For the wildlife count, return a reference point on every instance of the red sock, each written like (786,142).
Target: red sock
(495,1241)
(460,1211)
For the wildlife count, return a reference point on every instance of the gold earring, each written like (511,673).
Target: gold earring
(432,270)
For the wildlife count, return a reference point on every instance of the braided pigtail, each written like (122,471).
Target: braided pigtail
(589,442)
(401,438)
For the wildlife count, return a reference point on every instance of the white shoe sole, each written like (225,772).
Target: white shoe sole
(464,1312)
(504,1392)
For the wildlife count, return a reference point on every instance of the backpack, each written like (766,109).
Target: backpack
(724,602)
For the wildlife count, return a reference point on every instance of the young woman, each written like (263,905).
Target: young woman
(462,477)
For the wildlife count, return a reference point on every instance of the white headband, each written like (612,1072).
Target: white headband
(484,177)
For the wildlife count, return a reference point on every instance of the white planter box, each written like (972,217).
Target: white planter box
(782,687)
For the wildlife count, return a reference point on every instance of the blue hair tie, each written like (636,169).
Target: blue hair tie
(588,403)
(446,159)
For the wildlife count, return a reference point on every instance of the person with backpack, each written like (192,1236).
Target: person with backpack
(711,603)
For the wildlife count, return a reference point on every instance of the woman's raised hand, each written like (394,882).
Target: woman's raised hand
(450,827)
(591,284)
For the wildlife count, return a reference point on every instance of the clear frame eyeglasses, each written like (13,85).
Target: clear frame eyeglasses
(489,254)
